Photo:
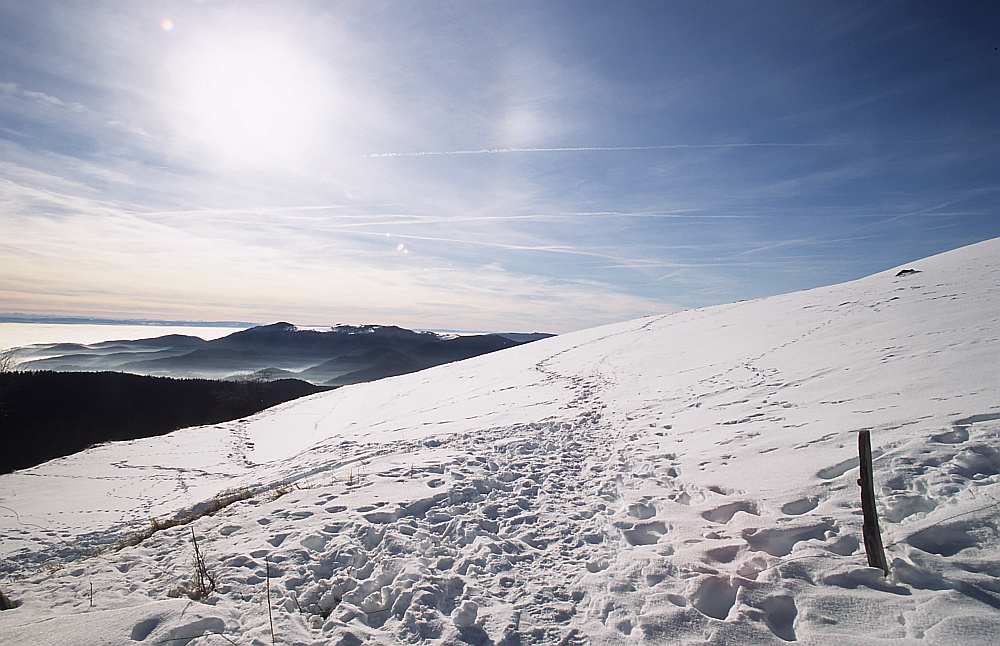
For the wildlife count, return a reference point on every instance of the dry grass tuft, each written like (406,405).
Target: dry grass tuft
(218,503)
(208,508)
(278,492)
(203,583)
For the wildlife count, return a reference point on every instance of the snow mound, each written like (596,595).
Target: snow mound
(688,478)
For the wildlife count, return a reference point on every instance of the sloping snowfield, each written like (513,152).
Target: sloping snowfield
(682,479)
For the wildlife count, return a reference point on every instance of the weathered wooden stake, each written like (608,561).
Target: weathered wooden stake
(267,578)
(870,530)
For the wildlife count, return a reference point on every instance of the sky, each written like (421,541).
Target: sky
(506,166)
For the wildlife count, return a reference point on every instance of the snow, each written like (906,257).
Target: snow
(688,478)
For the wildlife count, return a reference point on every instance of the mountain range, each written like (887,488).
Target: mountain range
(334,356)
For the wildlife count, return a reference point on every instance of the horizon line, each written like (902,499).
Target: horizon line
(66,319)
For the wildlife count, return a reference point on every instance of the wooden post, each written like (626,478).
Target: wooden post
(870,530)
(267,578)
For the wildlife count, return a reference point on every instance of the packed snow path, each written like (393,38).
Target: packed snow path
(687,479)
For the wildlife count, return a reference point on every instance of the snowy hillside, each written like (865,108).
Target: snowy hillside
(682,479)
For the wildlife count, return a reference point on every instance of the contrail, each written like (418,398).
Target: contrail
(497,151)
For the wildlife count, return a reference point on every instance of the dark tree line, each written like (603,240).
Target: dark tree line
(45,415)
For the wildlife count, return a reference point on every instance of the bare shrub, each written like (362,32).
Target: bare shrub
(203,583)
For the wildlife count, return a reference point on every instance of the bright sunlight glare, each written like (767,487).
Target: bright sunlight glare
(249,97)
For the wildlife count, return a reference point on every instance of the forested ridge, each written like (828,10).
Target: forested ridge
(46,415)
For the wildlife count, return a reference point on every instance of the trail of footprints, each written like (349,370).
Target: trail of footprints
(490,556)
(476,546)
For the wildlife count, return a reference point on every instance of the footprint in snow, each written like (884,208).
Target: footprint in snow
(779,616)
(642,511)
(645,534)
(724,513)
(781,541)
(714,597)
(800,506)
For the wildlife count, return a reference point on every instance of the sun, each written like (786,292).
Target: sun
(249,97)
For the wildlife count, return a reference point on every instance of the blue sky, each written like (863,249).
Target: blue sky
(483,165)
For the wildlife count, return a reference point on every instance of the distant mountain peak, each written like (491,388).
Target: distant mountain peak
(385,330)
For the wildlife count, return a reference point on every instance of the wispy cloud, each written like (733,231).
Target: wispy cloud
(135,172)
(500,151)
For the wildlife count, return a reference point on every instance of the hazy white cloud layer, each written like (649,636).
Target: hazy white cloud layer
(498,166)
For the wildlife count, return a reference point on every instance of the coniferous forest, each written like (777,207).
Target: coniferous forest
(46,415)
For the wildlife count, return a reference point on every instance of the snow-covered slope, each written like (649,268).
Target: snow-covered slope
(688,478)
